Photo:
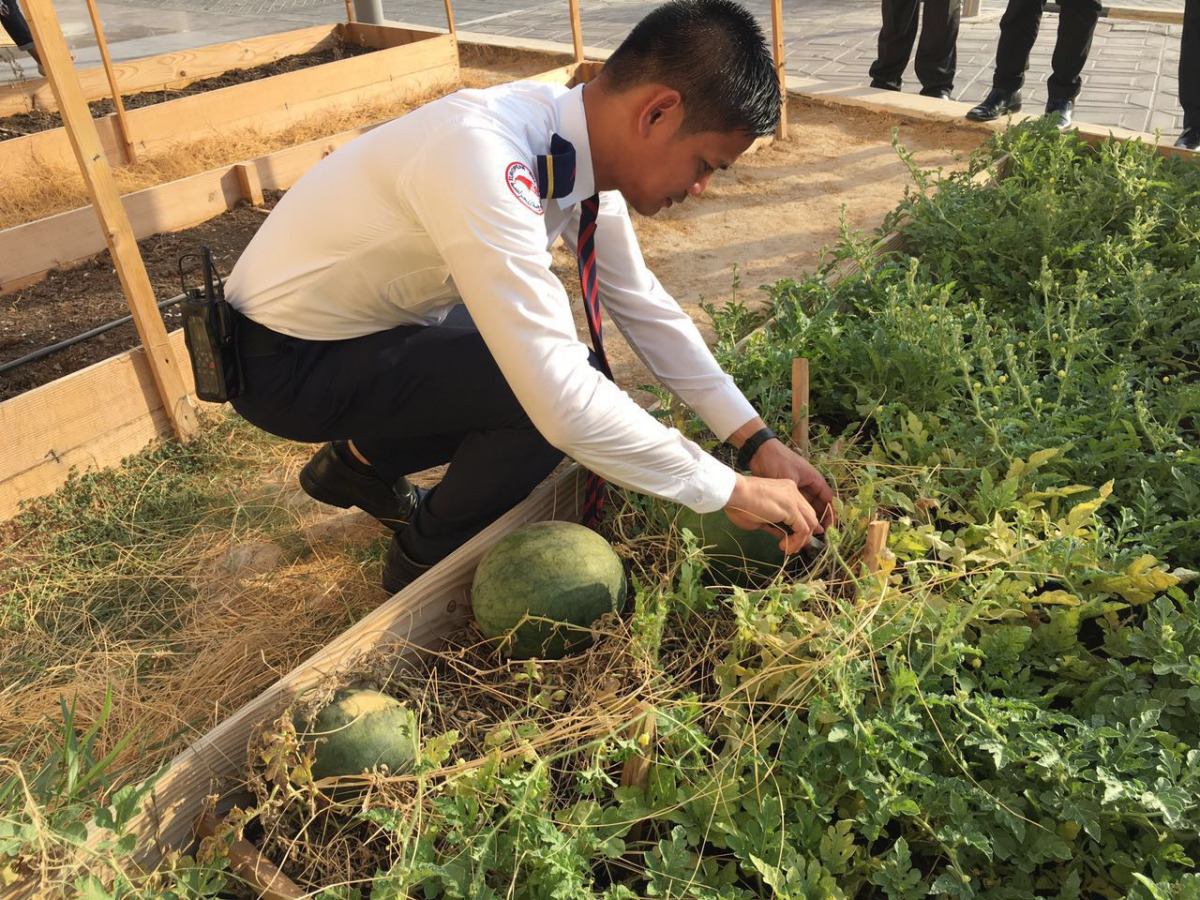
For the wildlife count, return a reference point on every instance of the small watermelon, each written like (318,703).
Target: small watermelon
(360,730)
(735,556)
(563,573)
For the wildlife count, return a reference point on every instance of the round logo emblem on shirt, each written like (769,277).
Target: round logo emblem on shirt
(523,184)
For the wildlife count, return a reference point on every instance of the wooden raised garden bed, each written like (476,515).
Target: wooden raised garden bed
(405,62)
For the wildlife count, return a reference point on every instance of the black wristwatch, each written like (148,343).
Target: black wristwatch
(756,440)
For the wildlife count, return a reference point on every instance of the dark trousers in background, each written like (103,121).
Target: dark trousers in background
(1019,30)
(410,398)
(936,50)
(1189,65)
(14,23)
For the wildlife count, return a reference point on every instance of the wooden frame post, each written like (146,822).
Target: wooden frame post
(106,200)
(450,19)
(576,31)
(118,103)
(780,65)
(877,535)
(800,404)
(349,12)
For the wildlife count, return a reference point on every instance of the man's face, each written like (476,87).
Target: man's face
(671,166)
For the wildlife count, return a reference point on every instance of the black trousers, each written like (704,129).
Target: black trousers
(1189,65)
(410,398)
(936,51)
(1019,30)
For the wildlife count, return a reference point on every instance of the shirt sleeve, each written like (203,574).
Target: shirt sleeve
(659,331)
(494,243)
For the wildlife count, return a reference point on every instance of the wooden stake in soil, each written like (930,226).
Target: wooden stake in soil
(106,200)
(800,404)
(780,65)
(576,31)
(262,875)
(122,122)
(877,534)
(349,12)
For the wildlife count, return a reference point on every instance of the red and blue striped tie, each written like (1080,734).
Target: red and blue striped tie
(594,487)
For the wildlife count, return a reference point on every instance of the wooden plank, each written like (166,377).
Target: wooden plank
(106,200)
(400,72)
(780,64)
(90,419)
(111,78)
(169,71)
(384,37)
(576,31)
(248,181)
(1133,13)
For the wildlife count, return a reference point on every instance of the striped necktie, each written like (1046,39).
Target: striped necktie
(594,487)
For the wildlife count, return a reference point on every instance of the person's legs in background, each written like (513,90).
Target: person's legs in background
(1076,25)
(14,23)
(896,37)
(1189,76)
(937,50)
(1018,31)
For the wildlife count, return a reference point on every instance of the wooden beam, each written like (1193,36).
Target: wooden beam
(576,31)
(877,535)
(800,404)
(169,71)
(106,199)
(780,65)
(1133,13)
(248,180)
(90,419)
(450,18)
(118,103)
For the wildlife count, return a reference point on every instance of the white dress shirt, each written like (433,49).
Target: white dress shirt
(436,208)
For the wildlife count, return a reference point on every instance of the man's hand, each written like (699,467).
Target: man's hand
(768,503)
(776,460)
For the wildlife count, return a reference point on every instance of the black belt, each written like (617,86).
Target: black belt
(255,340)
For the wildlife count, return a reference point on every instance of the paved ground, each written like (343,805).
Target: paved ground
(1131,80)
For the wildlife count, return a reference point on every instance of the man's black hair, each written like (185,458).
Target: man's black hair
(714,53)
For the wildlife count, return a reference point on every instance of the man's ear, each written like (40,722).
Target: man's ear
(661,111)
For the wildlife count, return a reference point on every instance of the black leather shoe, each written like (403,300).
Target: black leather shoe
(1189,140)
(399,569)
(329,479)
(996,104)
(1060,112)
(940,93)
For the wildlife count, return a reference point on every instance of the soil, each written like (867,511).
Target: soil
(43,120)
(769,217)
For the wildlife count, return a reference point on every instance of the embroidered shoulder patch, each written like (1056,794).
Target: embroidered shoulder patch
(523,183)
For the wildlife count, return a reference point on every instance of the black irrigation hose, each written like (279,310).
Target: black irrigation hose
(80,338)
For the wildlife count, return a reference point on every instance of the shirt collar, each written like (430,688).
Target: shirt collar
(572,125)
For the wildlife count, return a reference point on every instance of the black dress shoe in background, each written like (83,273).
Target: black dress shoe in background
(331,479)
(399,569)
(1189,140)
(996,104)
(940,93)
(1060,112)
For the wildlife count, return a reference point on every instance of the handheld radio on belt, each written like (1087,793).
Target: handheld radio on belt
(210,332)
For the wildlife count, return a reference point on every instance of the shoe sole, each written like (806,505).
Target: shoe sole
(1003,112)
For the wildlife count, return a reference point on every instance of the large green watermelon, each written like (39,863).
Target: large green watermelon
(561,572)
(735,556)
(359,730)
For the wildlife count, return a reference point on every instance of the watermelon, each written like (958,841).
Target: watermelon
(360,730)
(735,556)
(563,573)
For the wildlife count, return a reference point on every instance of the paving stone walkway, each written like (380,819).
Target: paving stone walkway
(1131,79)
